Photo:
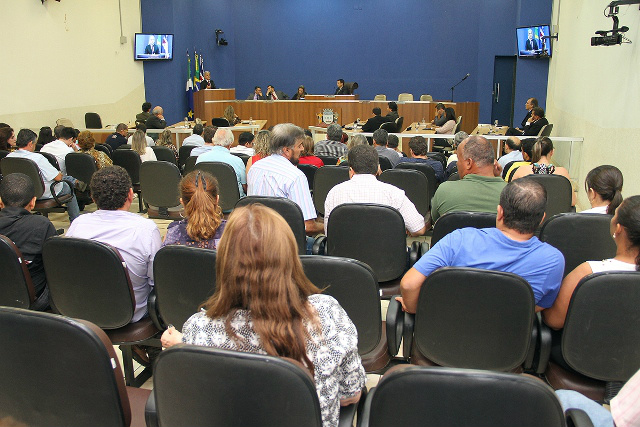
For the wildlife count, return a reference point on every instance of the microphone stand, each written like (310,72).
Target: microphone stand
(454,86)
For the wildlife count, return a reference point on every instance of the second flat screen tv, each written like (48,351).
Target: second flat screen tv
(531,42)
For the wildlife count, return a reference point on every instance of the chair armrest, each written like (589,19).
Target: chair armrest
(347,415)
(407,334)
(363,418)
(395,326)
(529,361)
(53,190)
(319,245)
(424,248)
(152,308)
(414,253)
(577,418)
(150,412)
(544,346)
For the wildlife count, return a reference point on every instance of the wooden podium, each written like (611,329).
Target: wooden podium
(201,96)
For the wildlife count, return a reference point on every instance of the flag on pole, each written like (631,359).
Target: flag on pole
(201,68)
(196,75)
(189,88)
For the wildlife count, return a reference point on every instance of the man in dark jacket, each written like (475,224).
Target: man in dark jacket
(157,120)
(374,122)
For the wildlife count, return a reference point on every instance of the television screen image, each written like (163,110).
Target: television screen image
(153,47)
(531,43)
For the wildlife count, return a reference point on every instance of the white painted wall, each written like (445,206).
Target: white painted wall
(593,92)
(63,59)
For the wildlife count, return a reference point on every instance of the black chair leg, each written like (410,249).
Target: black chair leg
(130,377)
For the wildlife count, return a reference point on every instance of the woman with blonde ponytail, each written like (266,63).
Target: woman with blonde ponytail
(202,225)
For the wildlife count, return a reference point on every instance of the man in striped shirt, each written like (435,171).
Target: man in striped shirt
(277,175)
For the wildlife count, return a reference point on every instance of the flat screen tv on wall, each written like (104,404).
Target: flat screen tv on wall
(533,41)
(156,47)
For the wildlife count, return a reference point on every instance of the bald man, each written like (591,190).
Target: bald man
(156,121)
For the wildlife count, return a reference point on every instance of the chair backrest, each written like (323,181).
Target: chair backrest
(405,97)
(64,122)
(546,130)
(92,121)
(371,233)
(130,161)
(328,160)
(220,122)
(159,182)
(426,170)
(351,87)
(184,278)
(558,193)
(458,125)
(27,167)
(608,349)
(580,238)
(183,154)
(289,210)
(53,160)
(187,388)
(488,313)
(227,183)
(399,124)
(88,280)
(439,157)
(190,164)
(454,177)
(426,98)
(437,397)
(414,184)
(309,172)
(3,154)
(81,166)
(454,220)
(245,158)
(16,288)
(53,359)
(385,164)
(164,154)
(105,148)
(354,285)
(124,147)
(390,127)
(380,97)
(324,180)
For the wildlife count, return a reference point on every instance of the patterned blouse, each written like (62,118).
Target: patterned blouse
(542,169)
(338,369)
(177,235)
(102,160)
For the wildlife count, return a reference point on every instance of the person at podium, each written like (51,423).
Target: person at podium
(531,43)
(207,83)
(341,90)
(152,48)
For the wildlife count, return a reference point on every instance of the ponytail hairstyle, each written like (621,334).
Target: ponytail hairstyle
(199,192)
(628,215)
(606,180)
(542,147)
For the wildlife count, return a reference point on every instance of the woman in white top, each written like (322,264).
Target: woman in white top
(449,126)
(604,189)
(139,145)
(625,230)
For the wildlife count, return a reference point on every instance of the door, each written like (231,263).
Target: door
(504,85)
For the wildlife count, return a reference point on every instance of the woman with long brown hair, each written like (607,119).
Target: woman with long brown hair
(265,304)
(231,116)
(203,225)
(139,145)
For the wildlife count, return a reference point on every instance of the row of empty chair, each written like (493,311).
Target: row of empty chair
(404,97)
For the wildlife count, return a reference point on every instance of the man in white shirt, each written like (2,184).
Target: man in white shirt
(26,143)
(512,152)
(196,138)
(245,144)
(364,187)
(143,128)
(62,146)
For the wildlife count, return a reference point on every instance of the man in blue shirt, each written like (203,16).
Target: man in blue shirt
(510,247)
(222,140)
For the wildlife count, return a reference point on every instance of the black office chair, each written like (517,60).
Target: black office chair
(324,180)
(329,160)
(399,124)
(458,125)
(428,172)
(354,285)
(53,160)
(131,162)
(190,164)
(63,372)
(439,157)
(184,278)
(385,163)
(390,127)
(220,122)
(580,238)
(414,184)
(3,154)
(473,318)
(309,172)
(601,336)
(96,287)
(124,147)
(288,209)
(29,168)
(105,148)
(454,177)
(92,121)
(164,154)
(351,87)
(183,154)
(187,390)
(245,158)
(559,193)
(159,182)
(546,130)
(455,220)
(16,287)
(371,233)
(227,183)
(81,166)
(445,397)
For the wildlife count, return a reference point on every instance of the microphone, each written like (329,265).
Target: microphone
(465,77)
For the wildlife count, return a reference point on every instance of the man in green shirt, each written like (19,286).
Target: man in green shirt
(480,184)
